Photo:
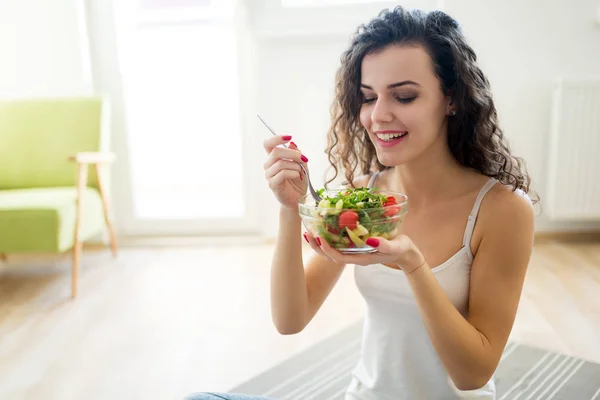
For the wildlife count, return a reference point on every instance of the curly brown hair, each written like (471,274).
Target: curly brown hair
(474,137)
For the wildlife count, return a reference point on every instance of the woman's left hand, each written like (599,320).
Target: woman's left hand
(400,253)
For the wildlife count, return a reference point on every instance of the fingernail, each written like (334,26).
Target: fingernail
(287,137)
(372,242)
(293,144)
(303,158)
(318,241)
(305,237)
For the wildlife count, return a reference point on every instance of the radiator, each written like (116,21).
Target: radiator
(574,163)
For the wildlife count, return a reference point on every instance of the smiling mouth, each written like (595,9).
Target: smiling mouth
(387,137)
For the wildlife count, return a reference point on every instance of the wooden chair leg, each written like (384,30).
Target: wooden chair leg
(107,210)
(75,274)
(77,244)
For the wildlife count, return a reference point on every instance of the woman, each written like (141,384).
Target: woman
(414,113)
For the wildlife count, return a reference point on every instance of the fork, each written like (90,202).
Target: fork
(313,192)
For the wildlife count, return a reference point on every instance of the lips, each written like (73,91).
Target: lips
(387,136)
(390,138)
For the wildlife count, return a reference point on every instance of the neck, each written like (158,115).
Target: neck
(431,177)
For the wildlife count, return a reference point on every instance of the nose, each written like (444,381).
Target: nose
(382,112)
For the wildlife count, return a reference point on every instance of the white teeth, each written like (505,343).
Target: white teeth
(390,136)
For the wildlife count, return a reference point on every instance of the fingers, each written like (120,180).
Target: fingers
(358,259)
(398,245)
(281,177)
(316,243)
(279,153)
(293,145)
(281,165)
(398,253)
(272,142)
(382,245)
(321,246)
(330,252)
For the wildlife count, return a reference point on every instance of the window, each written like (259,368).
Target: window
(325,3)
(166,4)
(321,18)
(179,68)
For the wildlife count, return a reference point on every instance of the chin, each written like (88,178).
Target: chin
(389,164)
(391,160)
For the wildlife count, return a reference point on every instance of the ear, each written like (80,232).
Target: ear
(450,109)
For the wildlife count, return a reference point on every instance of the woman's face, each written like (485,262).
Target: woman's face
(404,110)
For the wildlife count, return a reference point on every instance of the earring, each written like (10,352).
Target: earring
(452,113)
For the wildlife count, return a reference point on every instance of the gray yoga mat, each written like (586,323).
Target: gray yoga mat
(323,372)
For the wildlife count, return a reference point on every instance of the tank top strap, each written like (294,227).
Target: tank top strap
(475,211)
(372,180)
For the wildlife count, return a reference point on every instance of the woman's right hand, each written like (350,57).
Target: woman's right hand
(285,177)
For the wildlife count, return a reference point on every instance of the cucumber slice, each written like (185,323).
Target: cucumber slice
(355,239)
(324,204)
(361,230)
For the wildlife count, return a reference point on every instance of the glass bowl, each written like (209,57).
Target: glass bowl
(346,227)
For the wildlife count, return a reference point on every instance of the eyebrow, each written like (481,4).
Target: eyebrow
(393,85)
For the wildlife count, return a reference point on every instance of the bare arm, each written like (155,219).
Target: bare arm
(470,349)
(298,291)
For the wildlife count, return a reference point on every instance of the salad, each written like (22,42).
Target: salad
(347,218)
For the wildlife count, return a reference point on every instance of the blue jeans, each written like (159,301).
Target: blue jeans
(224,396)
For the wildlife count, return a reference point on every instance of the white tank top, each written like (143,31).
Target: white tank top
(397,358)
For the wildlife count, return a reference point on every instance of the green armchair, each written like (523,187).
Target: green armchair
(51,201)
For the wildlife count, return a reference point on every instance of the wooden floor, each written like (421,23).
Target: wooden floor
(161,322)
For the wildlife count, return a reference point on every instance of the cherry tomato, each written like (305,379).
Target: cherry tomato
(348,219)
(391,211)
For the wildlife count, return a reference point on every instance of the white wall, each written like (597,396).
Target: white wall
(43,49)
(296,77)
(522,46)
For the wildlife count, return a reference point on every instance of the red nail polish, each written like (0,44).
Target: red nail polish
(318,241)
(286,138)
(305,237)
(293,144)
(304,158)
(372,242)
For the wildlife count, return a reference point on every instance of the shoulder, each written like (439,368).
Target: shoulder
(362,180)
(381,179)
(506,216)
(505,204)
